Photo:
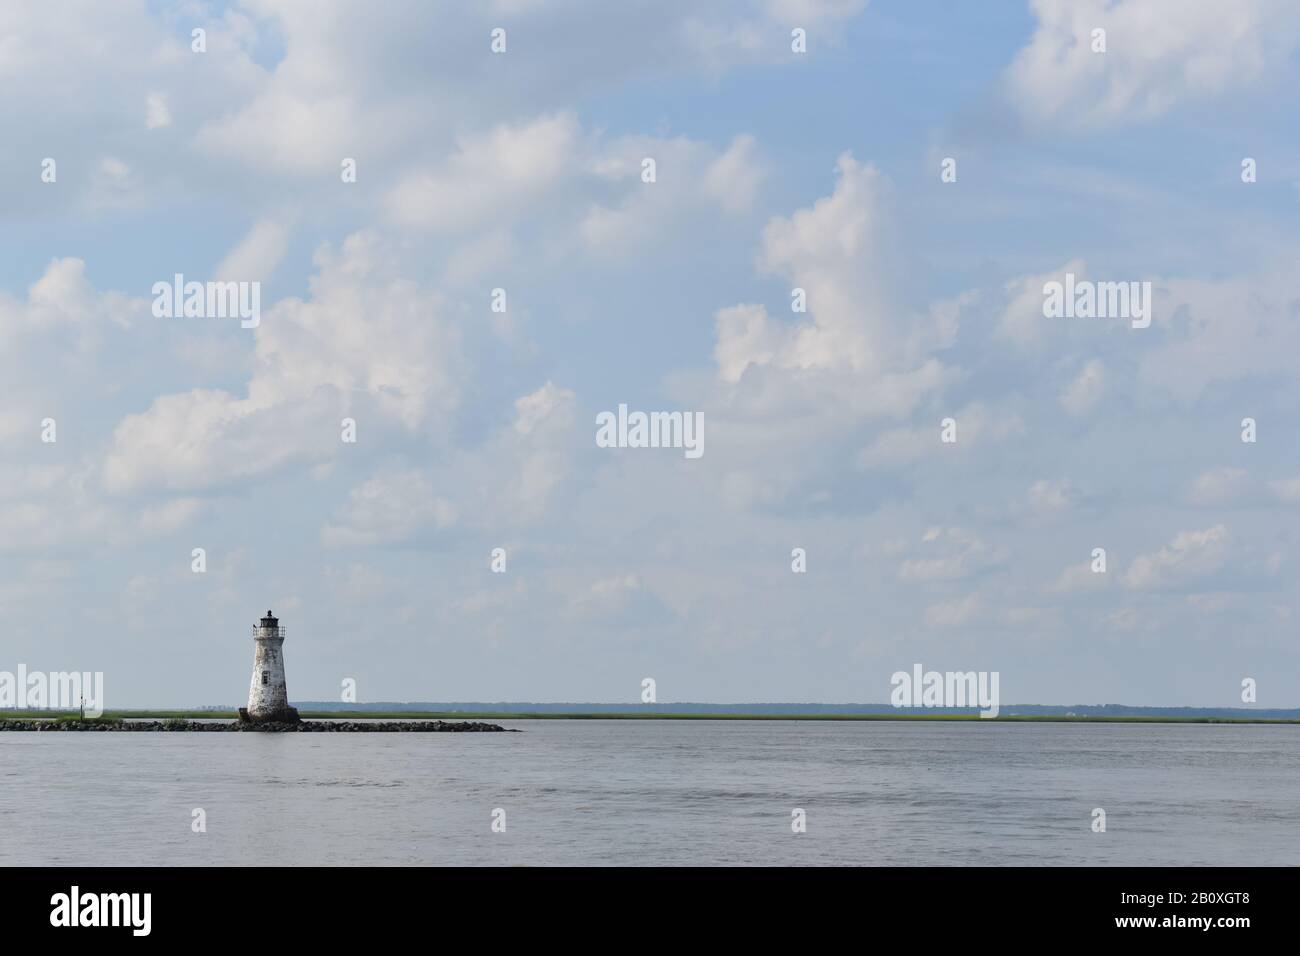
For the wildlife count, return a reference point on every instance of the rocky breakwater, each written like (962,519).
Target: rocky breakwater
(265,727)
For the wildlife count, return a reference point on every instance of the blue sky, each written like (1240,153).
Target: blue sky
(476,430)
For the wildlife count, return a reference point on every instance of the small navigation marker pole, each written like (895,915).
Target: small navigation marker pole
(83,707)
(268,696)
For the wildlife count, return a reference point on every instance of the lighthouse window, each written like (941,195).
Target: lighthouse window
(263,678)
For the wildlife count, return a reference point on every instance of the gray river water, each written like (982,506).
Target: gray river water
(660,792)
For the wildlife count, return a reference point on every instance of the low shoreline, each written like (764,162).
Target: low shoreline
(372,721)
(177,725)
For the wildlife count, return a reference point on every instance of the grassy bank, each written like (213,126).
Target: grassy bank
(485,715)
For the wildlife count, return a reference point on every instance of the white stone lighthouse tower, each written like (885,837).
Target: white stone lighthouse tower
(268,696)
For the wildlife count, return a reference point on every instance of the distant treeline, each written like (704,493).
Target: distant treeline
(1014,710)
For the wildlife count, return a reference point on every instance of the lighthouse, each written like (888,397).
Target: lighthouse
(268,696)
